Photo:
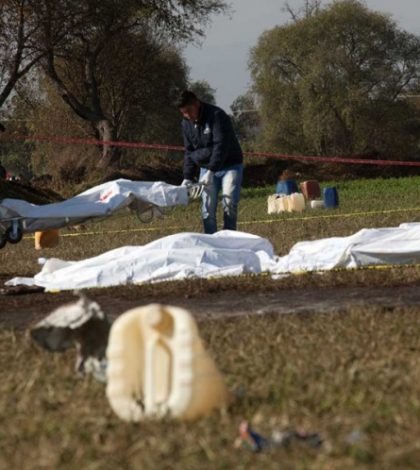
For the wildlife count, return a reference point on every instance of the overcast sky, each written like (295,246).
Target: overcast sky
(222,58)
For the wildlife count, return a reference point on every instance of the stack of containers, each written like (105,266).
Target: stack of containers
(288,198)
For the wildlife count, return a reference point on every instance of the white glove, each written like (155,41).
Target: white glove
(195,190)
(208,178)
(187,183)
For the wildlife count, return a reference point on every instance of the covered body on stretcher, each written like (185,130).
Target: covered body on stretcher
(18,216)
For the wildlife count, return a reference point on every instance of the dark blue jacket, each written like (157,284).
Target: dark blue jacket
(210,143)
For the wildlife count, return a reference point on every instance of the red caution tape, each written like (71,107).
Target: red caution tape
(79,141)
(177,148)
(352,161)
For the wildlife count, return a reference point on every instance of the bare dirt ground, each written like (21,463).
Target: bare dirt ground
(20,311)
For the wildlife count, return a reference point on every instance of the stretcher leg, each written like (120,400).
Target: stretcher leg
(14,233)
(3,240)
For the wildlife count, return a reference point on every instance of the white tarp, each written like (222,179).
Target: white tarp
(396,245)
(176,257)
(191,255)
(100,201)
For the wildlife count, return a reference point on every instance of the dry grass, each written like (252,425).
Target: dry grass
(328,373)
(332,374)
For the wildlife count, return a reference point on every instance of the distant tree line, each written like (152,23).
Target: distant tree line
(101,68)
(339,80)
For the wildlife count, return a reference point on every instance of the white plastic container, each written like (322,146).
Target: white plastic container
(296,203)
(283,203)
(157,367)
(317,204)
(272,204)
(277,204)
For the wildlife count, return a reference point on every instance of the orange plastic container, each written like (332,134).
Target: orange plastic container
(47,239)
(311,189)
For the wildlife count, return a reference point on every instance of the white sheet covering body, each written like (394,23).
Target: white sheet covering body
(176,257)
(191,255)
(396,245)
(100,201)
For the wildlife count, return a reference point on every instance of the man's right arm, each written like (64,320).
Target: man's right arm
(190,168)
(194,158)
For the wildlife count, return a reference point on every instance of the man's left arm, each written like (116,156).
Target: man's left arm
(221,137)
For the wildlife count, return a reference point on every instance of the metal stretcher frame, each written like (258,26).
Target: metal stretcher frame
(13,225)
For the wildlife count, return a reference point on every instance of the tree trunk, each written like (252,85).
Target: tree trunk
(110,154)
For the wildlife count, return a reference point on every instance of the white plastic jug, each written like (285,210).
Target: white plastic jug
(317,204)
(296,202)
(272,204)
(277,204)
(283,203)
(157,366)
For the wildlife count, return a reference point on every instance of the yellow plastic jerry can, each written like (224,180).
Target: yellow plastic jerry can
(158,366)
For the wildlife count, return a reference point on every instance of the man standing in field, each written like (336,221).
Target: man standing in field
(211,146)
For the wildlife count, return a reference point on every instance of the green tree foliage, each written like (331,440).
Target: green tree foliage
(136,77)
(204,91)
(95,27)
(333,81)
(19,45)
(246,119)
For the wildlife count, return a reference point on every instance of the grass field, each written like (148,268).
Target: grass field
(364,204)
(356,372)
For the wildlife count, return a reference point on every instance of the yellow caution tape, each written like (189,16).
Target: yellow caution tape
(241,223)
(332,216)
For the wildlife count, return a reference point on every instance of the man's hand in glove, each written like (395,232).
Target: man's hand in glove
(208,178)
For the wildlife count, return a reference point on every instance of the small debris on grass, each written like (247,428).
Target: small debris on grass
(355,437)
(82,324)
(251,440)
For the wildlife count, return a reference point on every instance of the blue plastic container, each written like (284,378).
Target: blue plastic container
(287,187)
(331,200)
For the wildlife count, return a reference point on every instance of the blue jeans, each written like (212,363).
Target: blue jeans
(229,181)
